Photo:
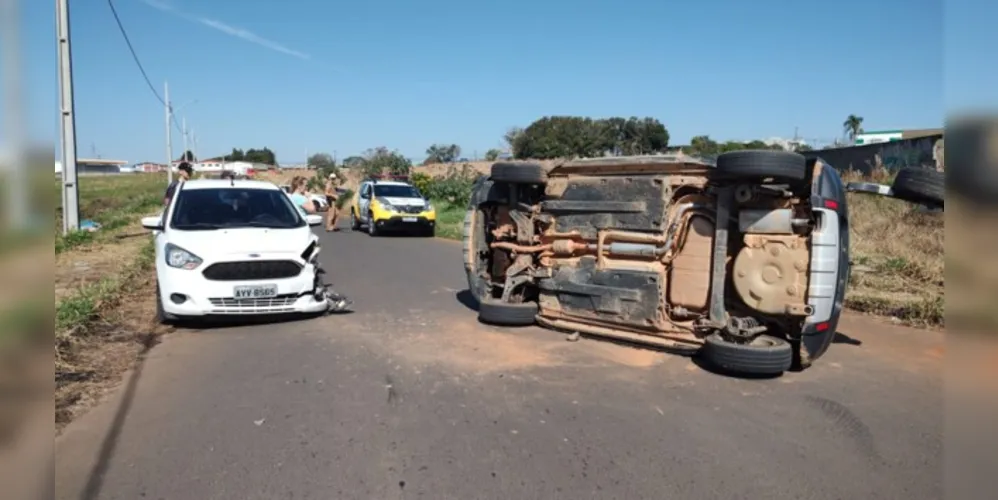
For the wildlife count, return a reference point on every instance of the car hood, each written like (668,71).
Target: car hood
(243,241)
(403,202)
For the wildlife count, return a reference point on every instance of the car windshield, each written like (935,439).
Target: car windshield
(396,191)
(205,209)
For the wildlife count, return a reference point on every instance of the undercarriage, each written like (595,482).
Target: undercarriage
(663,251)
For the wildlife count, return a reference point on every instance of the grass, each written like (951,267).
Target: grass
(114,201)
(897,252)
(450,218)
(898,257)
(102,283)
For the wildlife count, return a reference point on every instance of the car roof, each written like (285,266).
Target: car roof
(229,184)
(389,183)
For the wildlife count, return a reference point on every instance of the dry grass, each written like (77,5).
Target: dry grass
(897,252)
(104,290)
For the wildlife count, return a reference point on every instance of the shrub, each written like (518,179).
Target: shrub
(454,187)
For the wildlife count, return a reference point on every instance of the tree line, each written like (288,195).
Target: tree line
(552,137)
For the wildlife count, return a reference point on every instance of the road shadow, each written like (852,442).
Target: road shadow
(467,299)
(841,338)
(225,322)
(95,480)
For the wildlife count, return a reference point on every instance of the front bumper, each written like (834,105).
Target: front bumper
(188,293)
(405,222)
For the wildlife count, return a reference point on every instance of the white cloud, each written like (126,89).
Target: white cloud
(228,29)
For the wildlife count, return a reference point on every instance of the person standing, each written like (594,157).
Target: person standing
(333,213)
(299,198)
(184,173)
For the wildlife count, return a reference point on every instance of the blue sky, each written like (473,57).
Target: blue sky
(345,76)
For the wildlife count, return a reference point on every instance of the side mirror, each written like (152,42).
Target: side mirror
(313,219)
(153,223)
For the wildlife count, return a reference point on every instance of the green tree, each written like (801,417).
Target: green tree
(576,136)
(235,155)
(321,160)
(703,145)
(187,156)
(265,156)
(353,161)
(324,164)
(442,153)
(852,127)
(492,154)
(380,160)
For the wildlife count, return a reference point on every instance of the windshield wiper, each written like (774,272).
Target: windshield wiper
(268,225)
(197,225)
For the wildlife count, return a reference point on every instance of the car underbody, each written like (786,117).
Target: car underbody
(631,249)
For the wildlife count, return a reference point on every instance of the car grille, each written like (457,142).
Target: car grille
(410,209)
(252,270)
(271,305)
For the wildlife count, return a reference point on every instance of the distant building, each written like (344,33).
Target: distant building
(875,136)
(90,166)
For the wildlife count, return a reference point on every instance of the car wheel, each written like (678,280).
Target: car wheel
(372,227)
(519,173)
(473,237)
(764,355)
(161,316)
(780,165)
(494,312)
(920,185)
(354,221)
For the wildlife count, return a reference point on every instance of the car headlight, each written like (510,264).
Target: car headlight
(427,206)
(385,205)
(181,259)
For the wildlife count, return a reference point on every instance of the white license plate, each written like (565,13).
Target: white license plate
(255,291)
(409,219)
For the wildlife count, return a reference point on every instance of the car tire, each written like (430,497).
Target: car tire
(430,232)
(372,227)
(493,312)
(519,173)
(766,355)
(473,234)
(161,315)
(920,185)
(354,221)
(779,165)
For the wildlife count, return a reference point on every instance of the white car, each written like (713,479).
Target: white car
(321,204)
(235,247)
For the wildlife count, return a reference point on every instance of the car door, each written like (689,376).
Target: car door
(365,201)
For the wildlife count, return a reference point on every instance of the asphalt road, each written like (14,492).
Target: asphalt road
(409,397)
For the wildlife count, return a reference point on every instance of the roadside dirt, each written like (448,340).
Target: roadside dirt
(89,264)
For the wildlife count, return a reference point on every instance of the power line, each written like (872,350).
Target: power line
(138,63)
(135,56)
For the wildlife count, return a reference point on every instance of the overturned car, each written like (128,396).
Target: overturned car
(743,260)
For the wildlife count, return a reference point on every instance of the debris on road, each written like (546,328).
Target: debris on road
(259,422)
(573,337)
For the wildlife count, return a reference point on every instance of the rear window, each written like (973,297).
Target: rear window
(224,208)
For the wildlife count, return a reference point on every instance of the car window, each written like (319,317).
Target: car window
(365,190)
(197,209)
(396,191)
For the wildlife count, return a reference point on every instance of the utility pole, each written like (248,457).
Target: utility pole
(183,128)
(194,139)
(169,144)
(67,123)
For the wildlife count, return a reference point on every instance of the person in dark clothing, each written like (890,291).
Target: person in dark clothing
(184,172)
